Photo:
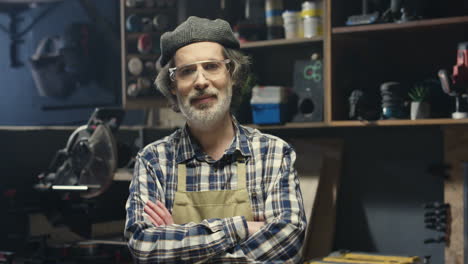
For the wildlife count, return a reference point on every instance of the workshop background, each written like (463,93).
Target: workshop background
(387,172)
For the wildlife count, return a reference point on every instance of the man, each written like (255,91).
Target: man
(214,191)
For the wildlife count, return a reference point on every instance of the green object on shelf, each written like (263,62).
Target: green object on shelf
(419,93)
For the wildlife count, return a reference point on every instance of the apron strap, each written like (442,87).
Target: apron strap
(241,174)
(181,177)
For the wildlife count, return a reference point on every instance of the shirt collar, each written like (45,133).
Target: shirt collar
(189,148)
(241,142)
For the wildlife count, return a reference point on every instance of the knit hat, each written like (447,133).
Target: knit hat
(196,29)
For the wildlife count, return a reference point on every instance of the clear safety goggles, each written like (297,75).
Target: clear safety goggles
(188,73)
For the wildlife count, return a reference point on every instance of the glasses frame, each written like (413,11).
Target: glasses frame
(172,71)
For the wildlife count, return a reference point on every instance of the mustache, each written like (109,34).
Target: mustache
(202,93)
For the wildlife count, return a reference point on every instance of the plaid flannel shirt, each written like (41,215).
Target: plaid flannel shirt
(273,188)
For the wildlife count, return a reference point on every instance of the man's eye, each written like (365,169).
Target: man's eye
(186,71)
(211,66)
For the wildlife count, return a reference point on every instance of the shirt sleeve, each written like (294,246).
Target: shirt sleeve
(281,239)
(188,243)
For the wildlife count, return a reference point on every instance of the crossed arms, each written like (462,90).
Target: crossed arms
(153,236)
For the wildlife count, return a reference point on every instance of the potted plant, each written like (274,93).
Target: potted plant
(420,108)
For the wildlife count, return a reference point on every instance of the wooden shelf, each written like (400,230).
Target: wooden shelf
(426,23)
(355,123)
(400,122)
(122,174)
(290,125)
(147,10)
(142,103)
(279,42)
(152,56)
(136,35)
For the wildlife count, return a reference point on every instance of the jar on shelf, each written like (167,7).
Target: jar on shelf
(273,19)
(312,18)
(135,66)
(291,23)
(133,23)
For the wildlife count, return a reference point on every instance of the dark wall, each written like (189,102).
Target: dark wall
(384,184)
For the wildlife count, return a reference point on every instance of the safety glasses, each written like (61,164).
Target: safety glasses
(188,73)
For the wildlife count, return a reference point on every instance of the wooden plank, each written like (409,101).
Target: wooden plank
(327,56)
(456,153)
(318,165)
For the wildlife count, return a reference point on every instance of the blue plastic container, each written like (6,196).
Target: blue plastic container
(268,113)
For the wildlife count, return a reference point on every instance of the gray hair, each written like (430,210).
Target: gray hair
(239,69)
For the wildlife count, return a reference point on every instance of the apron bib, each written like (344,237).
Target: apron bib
(197,206)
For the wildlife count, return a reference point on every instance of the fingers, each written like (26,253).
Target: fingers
(166,216)
(153,214)
(253,226)
(158,213)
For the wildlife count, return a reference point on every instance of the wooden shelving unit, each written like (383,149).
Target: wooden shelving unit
(149,98)
(345,49)
(366,56)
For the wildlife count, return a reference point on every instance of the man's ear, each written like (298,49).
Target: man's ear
(172,89)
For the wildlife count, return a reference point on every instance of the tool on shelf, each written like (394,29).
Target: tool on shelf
(457,85)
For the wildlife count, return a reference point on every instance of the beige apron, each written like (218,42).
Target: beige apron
(197,206)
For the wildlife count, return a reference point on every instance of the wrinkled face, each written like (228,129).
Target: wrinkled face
(202,83)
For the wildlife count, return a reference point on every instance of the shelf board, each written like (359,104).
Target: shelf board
(400,122)
(355,123)
(279,42)
(150,56)
(122,174)
(290,125)
(136,35)
(437,22)
(147,10)
(142,103)
(154,102)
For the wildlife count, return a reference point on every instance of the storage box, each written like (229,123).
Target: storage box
(268,104)
(268,113)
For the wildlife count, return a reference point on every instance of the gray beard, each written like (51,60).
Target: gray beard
(206,116)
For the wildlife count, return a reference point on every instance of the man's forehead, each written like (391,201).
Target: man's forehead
(197,52)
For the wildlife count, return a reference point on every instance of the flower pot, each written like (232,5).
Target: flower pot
(420,110)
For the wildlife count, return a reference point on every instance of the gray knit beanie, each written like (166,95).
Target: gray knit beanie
(196,29)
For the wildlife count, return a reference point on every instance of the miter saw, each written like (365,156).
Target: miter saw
(78,190)
(87,163)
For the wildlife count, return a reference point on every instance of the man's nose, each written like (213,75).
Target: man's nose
(201,82)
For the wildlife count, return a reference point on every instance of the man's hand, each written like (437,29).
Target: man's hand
(254,226)
(158,213)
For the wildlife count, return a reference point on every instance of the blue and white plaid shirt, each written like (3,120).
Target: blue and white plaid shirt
(273,188)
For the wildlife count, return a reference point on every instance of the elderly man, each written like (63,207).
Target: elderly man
(214,191)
